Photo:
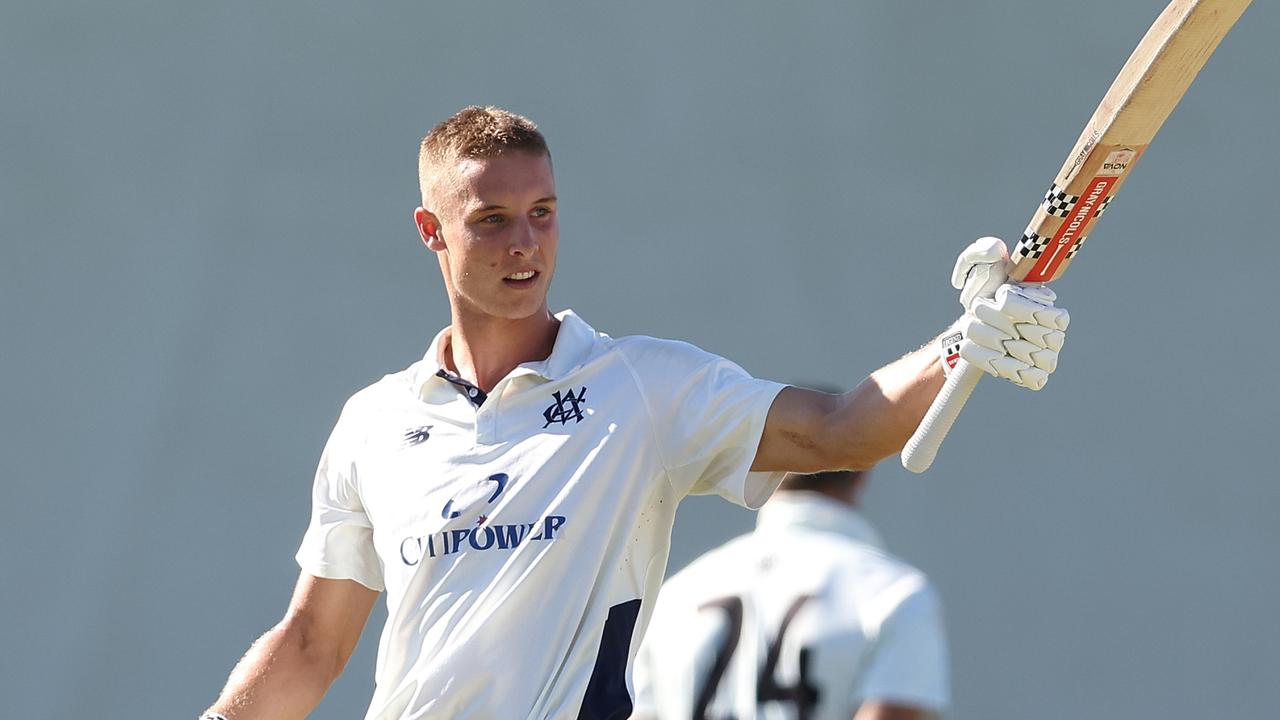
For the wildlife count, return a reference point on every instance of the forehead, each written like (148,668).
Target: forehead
(506,179)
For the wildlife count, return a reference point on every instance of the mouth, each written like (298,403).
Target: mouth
(523,279)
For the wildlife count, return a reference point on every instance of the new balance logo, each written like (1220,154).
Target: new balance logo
(567,406)
(417,436)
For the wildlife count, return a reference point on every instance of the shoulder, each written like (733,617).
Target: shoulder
(864,559)
(647,348)
(884,584)
(367,405)
(390,389)
(847,557)
(671,362)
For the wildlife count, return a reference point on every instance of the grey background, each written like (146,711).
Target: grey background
(207,246)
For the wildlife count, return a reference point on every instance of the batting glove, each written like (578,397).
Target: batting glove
(1007,330)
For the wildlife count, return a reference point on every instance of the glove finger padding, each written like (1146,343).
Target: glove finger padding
(985,313)
(1030,354)
(1038,301)
(1017,305)
(999,365)
(1015,335)
(1025,351)
(1032,378)
(988,327)
(1042,336)
(1019,316)
(988,333)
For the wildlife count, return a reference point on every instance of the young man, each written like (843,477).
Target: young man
(513,491)
(807,617)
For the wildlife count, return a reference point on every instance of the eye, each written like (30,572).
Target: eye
(492,219)
(541,211)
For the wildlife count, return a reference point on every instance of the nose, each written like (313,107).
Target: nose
(524,240)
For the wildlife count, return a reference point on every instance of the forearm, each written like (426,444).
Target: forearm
(280,677)
(809,431)
(875,419)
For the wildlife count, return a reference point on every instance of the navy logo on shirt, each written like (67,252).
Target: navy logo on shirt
(484,536)
(566,407)
(417,436)
(500,479)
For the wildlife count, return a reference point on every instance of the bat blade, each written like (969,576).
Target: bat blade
(1149,86)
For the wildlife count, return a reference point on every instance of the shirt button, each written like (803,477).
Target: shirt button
(471,392)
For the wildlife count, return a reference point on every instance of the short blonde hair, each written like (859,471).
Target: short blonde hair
(476,132)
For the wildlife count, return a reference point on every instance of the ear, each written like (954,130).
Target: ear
(429,229)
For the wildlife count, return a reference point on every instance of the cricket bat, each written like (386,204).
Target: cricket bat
(1148,87)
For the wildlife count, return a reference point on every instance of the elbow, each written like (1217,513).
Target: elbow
(874,424)
(865,456)
(842,450)
(859,449)
(861,459)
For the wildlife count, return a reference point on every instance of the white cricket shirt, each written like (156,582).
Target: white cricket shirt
(807,617)
(517,533)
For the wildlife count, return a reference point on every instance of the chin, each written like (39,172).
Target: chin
(522,311)
(526,313)
(529,307)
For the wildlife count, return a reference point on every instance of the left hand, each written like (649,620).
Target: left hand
(1009,331)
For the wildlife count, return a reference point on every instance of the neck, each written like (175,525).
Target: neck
(483,349)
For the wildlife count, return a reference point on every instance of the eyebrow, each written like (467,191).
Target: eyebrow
(486,208)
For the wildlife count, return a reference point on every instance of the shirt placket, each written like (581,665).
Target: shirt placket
(474,395)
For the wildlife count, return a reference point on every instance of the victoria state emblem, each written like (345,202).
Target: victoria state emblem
(565,406)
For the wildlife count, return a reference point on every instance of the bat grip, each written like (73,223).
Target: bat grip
(922,448)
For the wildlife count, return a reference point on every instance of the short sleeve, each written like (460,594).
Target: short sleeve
(909,661)
(338,543)
(708,415)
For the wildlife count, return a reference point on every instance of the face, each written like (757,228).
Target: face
(494,228)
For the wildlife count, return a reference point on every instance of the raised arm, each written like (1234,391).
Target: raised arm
(288,670)
(1008,331)
(810,431)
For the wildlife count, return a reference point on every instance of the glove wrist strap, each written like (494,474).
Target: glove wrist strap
(949,347)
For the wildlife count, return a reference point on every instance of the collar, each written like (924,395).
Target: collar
(574,342)
(814,511)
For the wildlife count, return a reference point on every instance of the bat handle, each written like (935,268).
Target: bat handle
(921,449)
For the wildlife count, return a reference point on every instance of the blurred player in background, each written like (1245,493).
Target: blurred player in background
(513,491)
(807,618)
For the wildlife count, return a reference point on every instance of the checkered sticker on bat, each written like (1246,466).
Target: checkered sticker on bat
(1102,206)
(1031,245)
(1058,202)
